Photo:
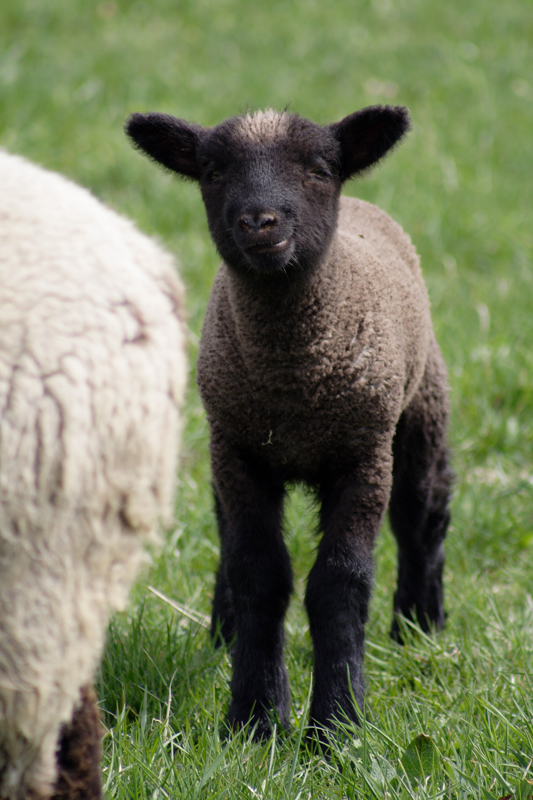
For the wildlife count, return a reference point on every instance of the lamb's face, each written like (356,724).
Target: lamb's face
(271,181)
(270,184)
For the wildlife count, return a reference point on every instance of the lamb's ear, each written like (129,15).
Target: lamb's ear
(169,141)
(367,135)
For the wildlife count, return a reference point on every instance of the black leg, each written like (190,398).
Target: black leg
(223,616)
(255,584)
(79,751)
(339,587)
(419,506)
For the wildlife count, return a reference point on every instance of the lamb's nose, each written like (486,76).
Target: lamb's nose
(257,223)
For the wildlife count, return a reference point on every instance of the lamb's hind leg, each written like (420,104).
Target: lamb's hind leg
(255,574)
(419,505)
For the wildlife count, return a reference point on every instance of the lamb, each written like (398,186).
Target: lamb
(317,364)
(92,375)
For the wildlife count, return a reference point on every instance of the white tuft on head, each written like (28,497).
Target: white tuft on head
(264,126)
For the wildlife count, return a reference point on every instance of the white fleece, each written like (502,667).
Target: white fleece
(92,376)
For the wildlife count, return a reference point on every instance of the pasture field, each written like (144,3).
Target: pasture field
(450,716)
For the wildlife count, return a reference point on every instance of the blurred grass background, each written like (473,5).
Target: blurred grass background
(70,73)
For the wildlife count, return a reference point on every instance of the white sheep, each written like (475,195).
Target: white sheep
(92,376)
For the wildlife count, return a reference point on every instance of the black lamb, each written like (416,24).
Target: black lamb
(318,363)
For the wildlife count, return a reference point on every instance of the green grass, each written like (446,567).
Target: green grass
(70,72)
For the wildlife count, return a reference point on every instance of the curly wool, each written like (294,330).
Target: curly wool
(344,356)
(92,375)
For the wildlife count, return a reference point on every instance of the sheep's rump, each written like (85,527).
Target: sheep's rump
(92,374)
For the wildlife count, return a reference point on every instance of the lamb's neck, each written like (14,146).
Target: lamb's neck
(290,306)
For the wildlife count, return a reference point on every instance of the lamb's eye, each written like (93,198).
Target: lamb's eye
(213,175)
(319,172)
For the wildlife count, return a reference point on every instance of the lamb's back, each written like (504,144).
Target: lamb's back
(380,231)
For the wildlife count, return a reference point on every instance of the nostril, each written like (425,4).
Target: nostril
(267,221)
(256,223)
(246,222)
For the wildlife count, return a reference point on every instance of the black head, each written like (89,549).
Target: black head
(271,181)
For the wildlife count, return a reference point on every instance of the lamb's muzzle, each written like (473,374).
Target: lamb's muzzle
(258,223)
(263,233)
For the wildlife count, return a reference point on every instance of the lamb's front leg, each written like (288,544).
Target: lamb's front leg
(339,587)
(257,568)
(223,615)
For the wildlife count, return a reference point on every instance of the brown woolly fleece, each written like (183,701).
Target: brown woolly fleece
(299,376)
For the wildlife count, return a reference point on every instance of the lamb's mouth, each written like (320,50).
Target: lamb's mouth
(277,247)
